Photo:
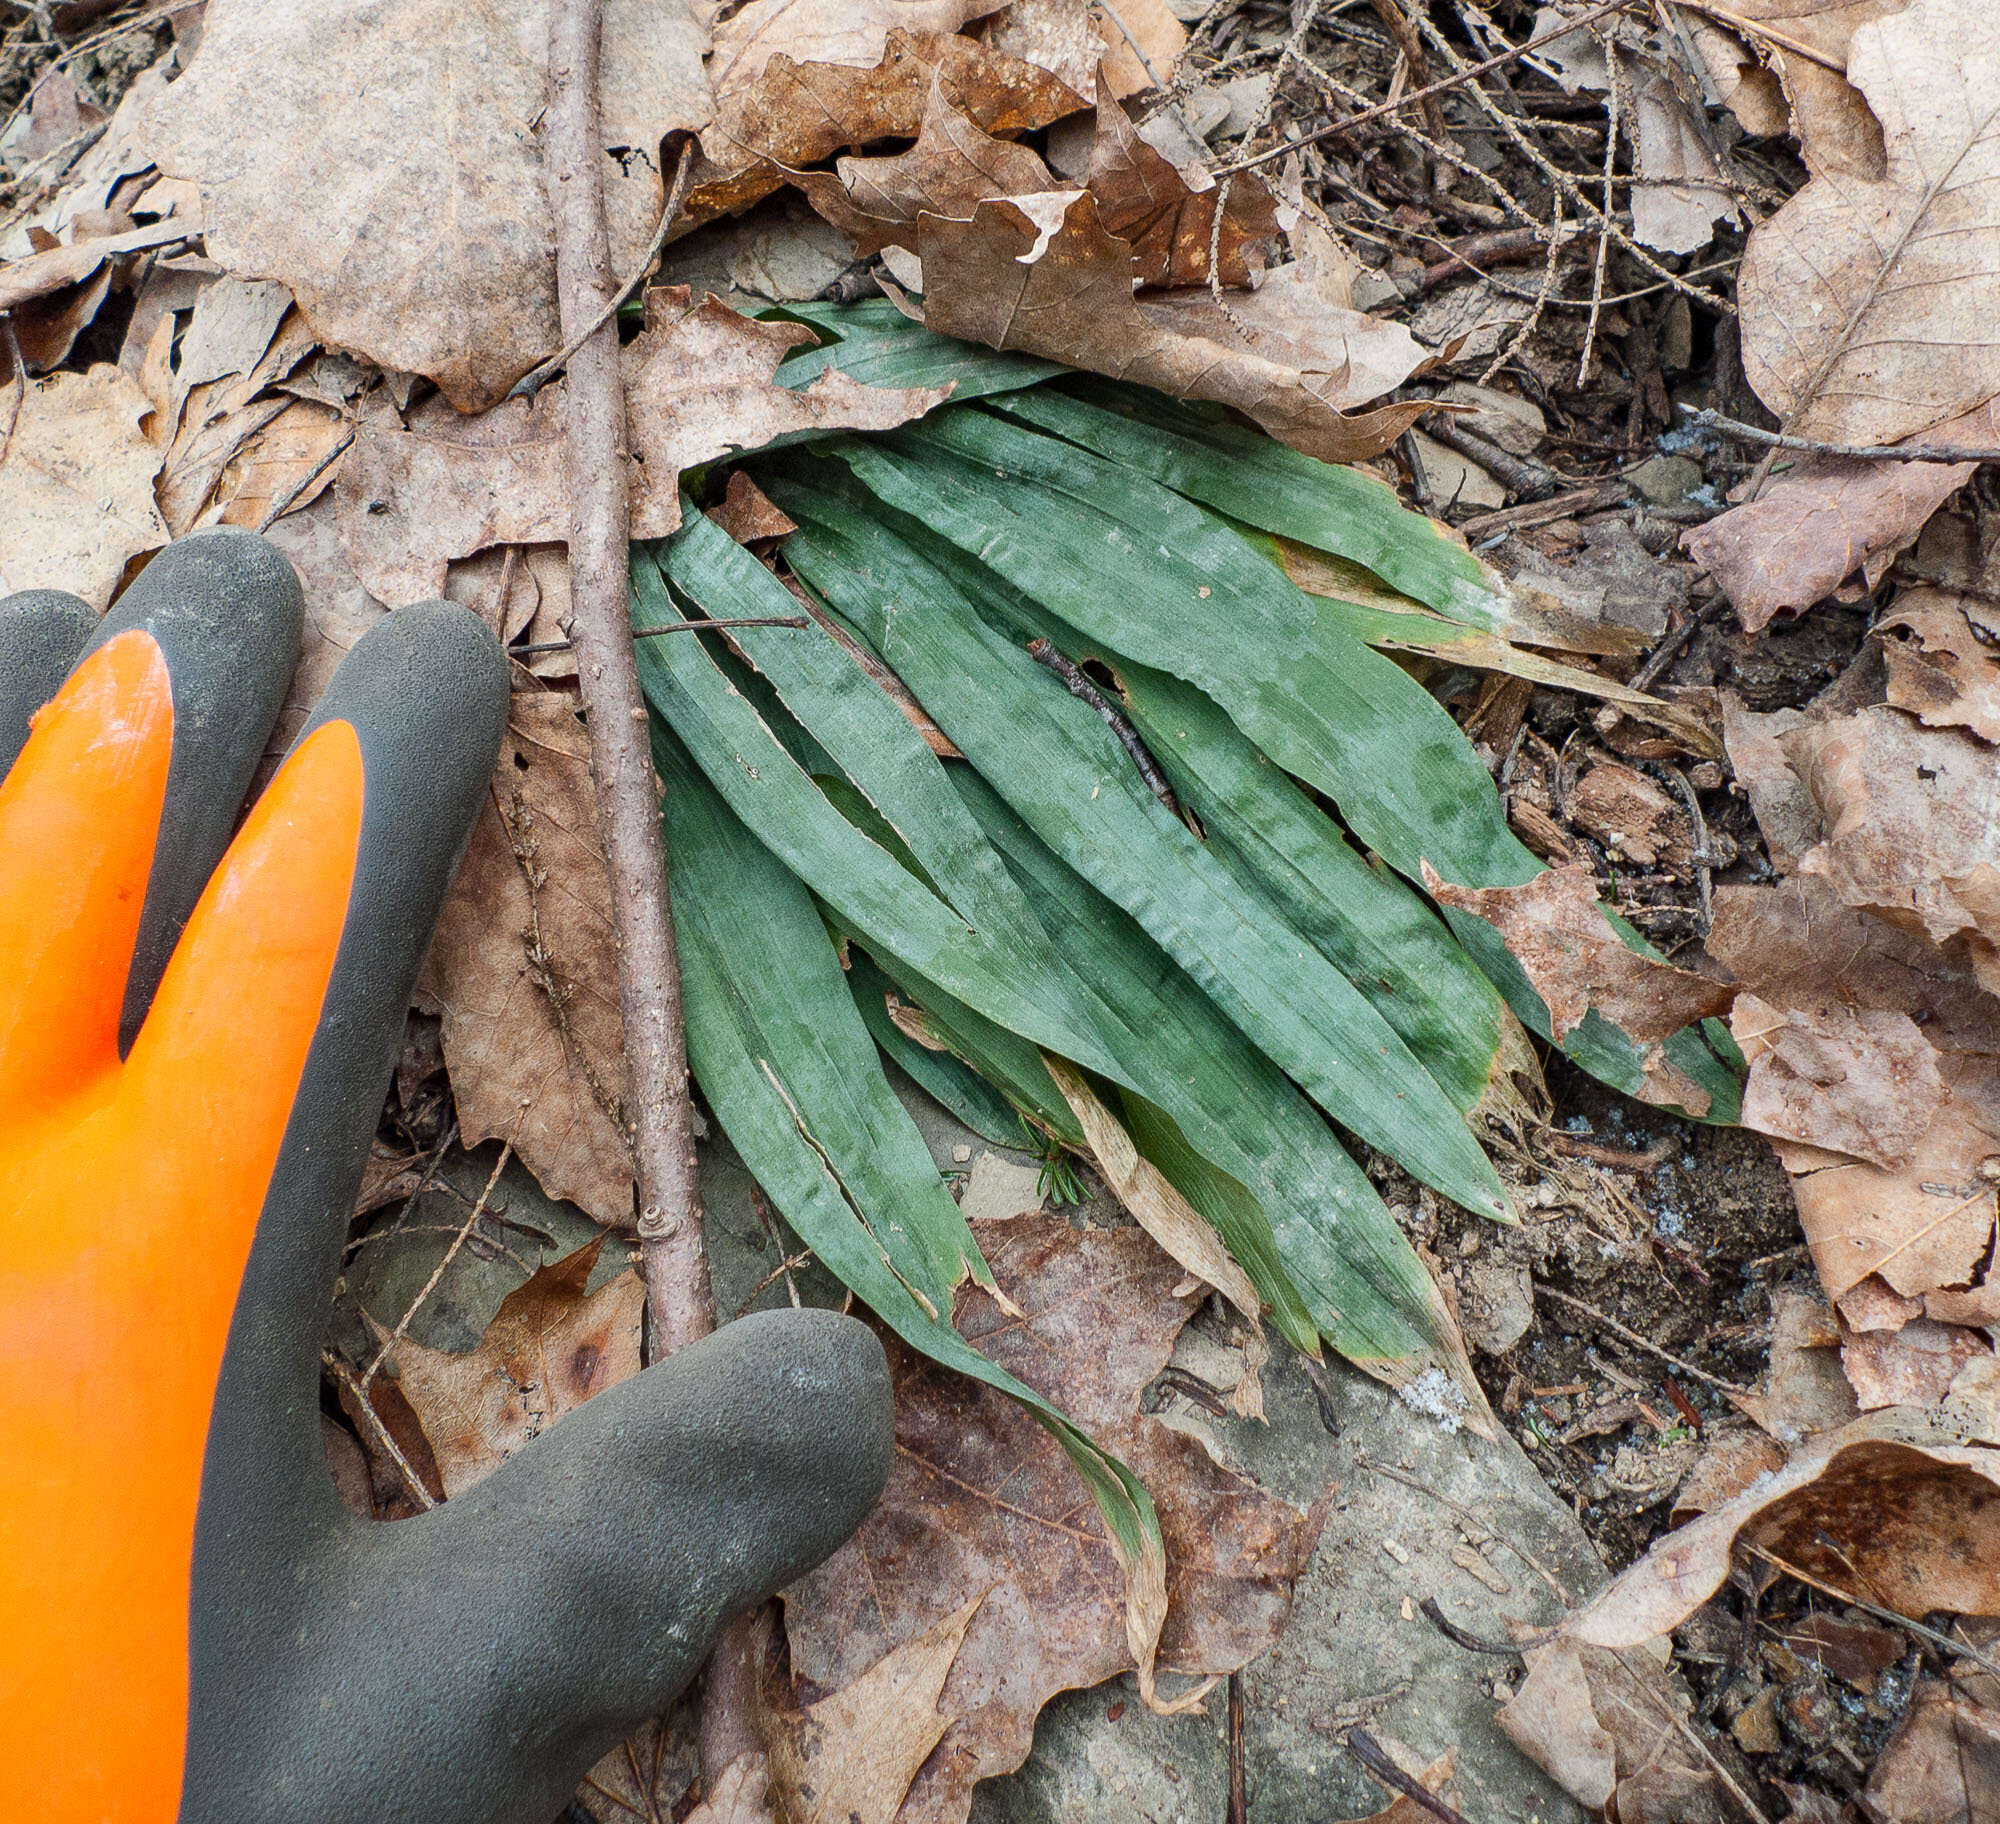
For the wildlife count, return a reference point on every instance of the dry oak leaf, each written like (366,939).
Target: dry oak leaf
(981,1500)
(849,32)
(76,490)
(798,111)
(1042,274)
(524,970)
(1577,962)
(699,384)
(1876,1509)
(1911,815)
(382,159)
(1939,648)
(1872,310)
(1826,518)
(551,1346)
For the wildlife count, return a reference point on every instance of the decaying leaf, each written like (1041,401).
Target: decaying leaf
(824,31)
(1910,815)
(1942,660)
(1914,1524)
(339,610)
(523,969)
(1075,41)
(851,1757)
(551,1346)
(1576,962)
(1044,275)
(41,274)
(698,385)
(1805,1391)
(1870,310)
(1859,1082)
(1837,133)
(799,109)
(1827,517)
(1608,1727)
(981,1499)
(1912,1365)
(76,490)
(1942,1766)
(1403,1809)
(402,198)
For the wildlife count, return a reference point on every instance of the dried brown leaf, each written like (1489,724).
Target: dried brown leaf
(285,467)
(1805,1391)
(852,33)
(414,228)
(76,490)
(981,1499)
(1942,1766)
(1634,817)
(799,110)
(1941,661)
(1074,40)
(551,1345)
(1910,1526)
(698,385)
(1403,1809)
(1576,962)
(339,610)
(1857,1081)
(1042,274)
(851,1757)
(1870,310)
(40,274)
(1827,517)
(1911,1366)
(1910,814)
(1837,132)
(748,514)
(523,969)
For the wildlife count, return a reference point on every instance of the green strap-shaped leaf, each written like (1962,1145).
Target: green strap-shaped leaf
(879,346)
(939,1074)
(1063,770)
(789,1069)
(1264,483)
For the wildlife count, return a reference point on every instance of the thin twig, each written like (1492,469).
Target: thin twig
(1374,1758)
(1524,479)
(647,633)
(538,377)
(284,503)
(1611,110)
(1923,1631)
(1703,872)
(1472,1643)
(1455,80)
(1634,1340)
(394,1451)
(1081,688)
(19,392)
(1238,1809)
(430,1285)
(680,1299)
(1758,28)
(1867,452)
(1670,648)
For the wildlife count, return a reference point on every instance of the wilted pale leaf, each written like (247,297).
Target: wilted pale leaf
(76,491)
(1872,310)
(384,161)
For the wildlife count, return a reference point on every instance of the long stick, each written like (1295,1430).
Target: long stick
(680,1302)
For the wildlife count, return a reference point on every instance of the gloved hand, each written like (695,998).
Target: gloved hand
(191,1624)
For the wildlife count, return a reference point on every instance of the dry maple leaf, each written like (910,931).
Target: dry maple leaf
(798,110)
(551,1346)
(413,227)
(981,1500)
(1043,274)
(523,969)
(699,384)
(76,490)
(1576,962)
(1871,310)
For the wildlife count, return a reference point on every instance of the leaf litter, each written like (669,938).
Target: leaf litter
(1857,981)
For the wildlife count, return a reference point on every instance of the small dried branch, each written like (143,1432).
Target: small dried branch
(1633,1340)
(1081,688)
(1866,452)
(647,633)
(1375,1759)
(1456,79)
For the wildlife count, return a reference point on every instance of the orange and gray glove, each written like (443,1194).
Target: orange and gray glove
(194,1047)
